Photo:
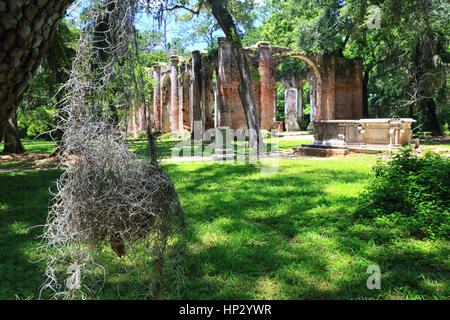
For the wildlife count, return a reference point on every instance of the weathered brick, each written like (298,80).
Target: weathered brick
(336,89)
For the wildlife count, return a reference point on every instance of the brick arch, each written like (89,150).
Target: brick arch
(318,80)
(336,86)
(310,63)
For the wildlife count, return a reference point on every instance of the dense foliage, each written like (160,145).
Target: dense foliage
(406,53)
(36,114)
(411,192)
(405,57)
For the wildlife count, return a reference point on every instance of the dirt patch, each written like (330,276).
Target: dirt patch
(33,161)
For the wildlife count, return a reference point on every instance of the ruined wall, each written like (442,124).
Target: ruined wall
(229,107)
(208,70)
(165,104)
(349,89)
(341,89)
(157,96)
(267,68)
(136,121)
(186,101)
(336,88)
(262,66)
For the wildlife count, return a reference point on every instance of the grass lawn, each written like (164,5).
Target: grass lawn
(36,146)
(166,146)
(290,235)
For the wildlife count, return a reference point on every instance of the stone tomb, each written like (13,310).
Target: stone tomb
(338,137)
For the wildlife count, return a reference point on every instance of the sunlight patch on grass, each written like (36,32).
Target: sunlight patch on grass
(290,235)
(213,232)
(268,288)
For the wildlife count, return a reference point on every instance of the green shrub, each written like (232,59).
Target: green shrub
(142,135)
(165,136)
(412,192)
(31,123)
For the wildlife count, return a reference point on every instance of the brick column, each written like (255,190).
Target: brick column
(326,106)
(196,88)
(215,104)
(209,121)
(224,84)
(312,100)
(203,96)
(157,96)
(275,103)
(181,101)
(174,108)
(267,81)
(185,99)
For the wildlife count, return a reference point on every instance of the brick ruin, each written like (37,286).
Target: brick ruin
(204,89)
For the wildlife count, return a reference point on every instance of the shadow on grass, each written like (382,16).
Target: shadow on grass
(291,235)
(19,164)
(24,199)
(164,147)
(190,148)
(287,237)
(255,221)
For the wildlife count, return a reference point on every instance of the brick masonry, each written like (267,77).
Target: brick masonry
(205,88)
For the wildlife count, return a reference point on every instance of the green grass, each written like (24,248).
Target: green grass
(166,146)
(435,144)
(287,145)
(290,235)
(36,146)
(24,198)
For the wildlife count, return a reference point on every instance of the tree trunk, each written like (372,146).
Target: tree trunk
(425,74)
(25,30)
(428,107)
(10,134)
(365,95)
(225,20)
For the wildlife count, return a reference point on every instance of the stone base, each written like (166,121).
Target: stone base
(320,151)
(372,149)
(314,150)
